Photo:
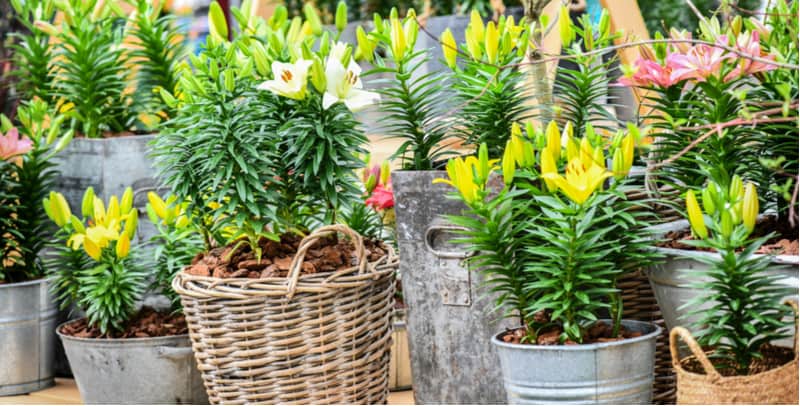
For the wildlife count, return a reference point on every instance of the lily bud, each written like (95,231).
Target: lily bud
(158,205)
(341,16)
(618,165)
(370,184)
(565,27)
(279,16)
(548,167)
(627,152)
(317,73)
(736,190)
(508,164)
(123,246)
(398,38)
(483,164)
(708,202)
(126,201)
(449,48)
(411,29)
(229,81)
(87,205)
(77,225)
(473,46)
(491,42)
(476,24)
(726,223)
(553,140)
(131,223)
(750,206)
(217,25)
(312,18)
(695,215)
(385,172)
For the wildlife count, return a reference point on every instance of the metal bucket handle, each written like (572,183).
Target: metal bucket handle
(174,353)
(429,234)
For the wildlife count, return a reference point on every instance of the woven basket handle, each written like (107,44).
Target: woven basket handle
(297,262)
(698,352)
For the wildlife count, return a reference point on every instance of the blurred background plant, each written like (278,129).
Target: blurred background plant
(27,176)
(661,15)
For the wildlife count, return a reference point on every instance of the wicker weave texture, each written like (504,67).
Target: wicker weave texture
(306,339)
(639,303)
(776,385)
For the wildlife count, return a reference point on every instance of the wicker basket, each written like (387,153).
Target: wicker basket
(639,303)
(774,381)
(313,339)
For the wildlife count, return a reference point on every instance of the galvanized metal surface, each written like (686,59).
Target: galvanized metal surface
(27,337)
(450,323)
(109,165)
(619,372)
(672,279)
(135,370)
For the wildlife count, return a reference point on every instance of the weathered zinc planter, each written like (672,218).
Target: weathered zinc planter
(109,165)
(619,372)
(27,341)
(450,323)
(672,279)
(135,370)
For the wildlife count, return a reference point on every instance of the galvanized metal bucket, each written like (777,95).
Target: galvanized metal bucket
(109,165)
(672,279)
(450,324)
(135,370)
(27,338)
(619,372)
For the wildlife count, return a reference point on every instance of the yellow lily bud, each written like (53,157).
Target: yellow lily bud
(158,205)
(628,144)
(131,223)
(736,190)
(77,224)
(313,19)
(618,164)
(113,209)
(573,149)
(385,172)
(217,25)
(483,164)
(398,37)
(586,152)
(473,46)
(750,206)
(293,35)
(123,246)
(565,27)
(528,155)
(449,48)
(126,202)
(182,222)
(491,42)
(476,24)
(553,140)
(92,249)
(508,164)
(370,184)
(48,208)
(725,223)
(695,215)
(62,209)
(411,30)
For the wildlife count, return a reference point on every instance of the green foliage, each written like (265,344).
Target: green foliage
(411,104)
(740,309)
(33,52)
(92,77)
(675,13)
(9,226)
(159,49)
(109,291)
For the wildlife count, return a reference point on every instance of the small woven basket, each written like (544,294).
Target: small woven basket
(775,380)
(320,338)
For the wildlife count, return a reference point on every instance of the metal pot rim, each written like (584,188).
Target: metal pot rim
(119,341)
(121,137)
(37,281)
(585,347)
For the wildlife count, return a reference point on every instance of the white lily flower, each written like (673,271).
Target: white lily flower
(337,52)
(345,85)
(290,80)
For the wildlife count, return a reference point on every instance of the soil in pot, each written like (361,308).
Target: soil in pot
(600,332)
(146,323)
(785,241)
(239,261)
(774,357)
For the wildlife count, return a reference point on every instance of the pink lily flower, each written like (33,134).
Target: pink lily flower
(382,198)
(700,62)
(751,46)
(12,145)
(649,73)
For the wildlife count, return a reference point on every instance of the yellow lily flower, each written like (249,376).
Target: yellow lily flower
(92,249)
(579,182)
(469,175)
(99,209)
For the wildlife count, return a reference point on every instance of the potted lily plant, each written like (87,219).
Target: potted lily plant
(119,350)
(742,70)
(26,173)
(263,150)
(740,312)
(553,242)
(103,70)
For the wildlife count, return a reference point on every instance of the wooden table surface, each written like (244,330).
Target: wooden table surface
(66,393)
